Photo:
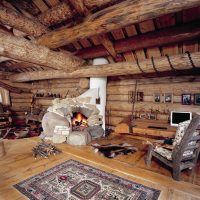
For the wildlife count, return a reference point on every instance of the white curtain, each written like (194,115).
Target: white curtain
(4,96)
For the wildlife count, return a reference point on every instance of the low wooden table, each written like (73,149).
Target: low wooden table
(154,128)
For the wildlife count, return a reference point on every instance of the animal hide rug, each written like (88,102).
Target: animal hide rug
(112,150)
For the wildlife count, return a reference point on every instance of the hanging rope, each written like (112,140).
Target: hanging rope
(170,64)
(190,59)
(137,62)
(153,63)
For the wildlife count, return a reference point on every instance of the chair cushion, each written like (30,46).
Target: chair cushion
(182,127)
(164,152)
(180,132)
(168,154)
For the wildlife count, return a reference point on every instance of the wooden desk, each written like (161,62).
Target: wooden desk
(142,128)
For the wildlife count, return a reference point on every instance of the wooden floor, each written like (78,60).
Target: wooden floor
(18,164)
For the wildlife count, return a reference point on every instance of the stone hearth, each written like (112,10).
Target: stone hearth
(57,123)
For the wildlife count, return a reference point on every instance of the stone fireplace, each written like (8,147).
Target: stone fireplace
(82,115)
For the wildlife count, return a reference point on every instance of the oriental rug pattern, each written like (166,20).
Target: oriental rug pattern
(73,180)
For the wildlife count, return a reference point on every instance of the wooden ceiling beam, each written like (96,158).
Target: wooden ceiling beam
(151,39)
(179,62)
(62,11)
(21,49)
(56,15)
(109,47)
(30,26)
(114,17)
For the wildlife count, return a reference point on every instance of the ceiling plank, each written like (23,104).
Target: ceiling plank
(114,17)
(162,37)
(145,27)
(79,6)
(41,5)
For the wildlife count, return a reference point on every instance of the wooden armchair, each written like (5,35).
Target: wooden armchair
(185,151)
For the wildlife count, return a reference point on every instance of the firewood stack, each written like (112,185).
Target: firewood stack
(44,150)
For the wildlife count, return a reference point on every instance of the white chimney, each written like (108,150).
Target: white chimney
(98,90)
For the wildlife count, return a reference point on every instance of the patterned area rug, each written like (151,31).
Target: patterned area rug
(73,180)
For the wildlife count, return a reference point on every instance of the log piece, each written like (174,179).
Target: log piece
(13,89)
(24,50)
(44,150)
(16,20)
(55,15)
(114,17)
(179,62)
(62,11)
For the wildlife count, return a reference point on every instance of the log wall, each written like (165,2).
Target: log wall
(21,103)
(119,106)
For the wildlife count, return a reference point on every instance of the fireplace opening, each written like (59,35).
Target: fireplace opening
(79,121)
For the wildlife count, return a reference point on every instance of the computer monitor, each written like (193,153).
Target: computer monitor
(177,117)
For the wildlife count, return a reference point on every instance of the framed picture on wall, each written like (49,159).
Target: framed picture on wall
(168,98)
(186,99)
(197,99)
(157,98)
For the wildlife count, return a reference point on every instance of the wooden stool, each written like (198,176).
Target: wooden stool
(2,149)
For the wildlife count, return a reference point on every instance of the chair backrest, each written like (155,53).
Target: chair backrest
(184,149)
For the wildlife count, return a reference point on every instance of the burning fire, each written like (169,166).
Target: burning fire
(79,120)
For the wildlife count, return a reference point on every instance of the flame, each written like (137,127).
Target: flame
(79,119)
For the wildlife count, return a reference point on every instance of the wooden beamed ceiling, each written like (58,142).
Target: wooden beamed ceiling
(116,41)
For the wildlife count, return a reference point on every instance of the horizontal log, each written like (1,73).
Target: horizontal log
(62,11)
(20,105)
(179,62)
(148,106)
(14,19)
(69,92)
(175,88)
(114,121)
(21,96)
(56,81)
(20,108)
(125,114)
(150,98)
(24,50)
(14,89)
(114,17)
(159,80)
(19,85)
(151,39)
(44,102)
(82,83)
(21,100)
(56,14)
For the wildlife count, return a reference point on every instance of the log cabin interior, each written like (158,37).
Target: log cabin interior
(108,85)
